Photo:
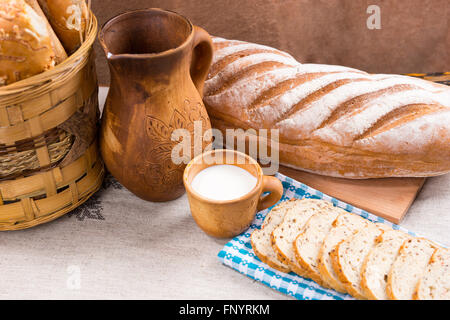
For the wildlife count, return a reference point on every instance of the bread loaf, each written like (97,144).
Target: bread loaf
(25,44)
(60,52)
(69,20)
(332,120)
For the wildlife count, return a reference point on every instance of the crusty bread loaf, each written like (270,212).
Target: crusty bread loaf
(261,238)
(308,243)
(25,44)
(284,234)
(332,120)
(343,227)
(408,268)
(348,257)
(69,20)
(435,283)
(60,52)
(379,262)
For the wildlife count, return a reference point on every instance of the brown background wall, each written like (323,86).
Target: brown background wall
(414,34)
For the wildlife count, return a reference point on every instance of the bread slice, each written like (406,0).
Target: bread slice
(308,243)
(260,238)
(378,263)
(435,284)
(408,268)
(344,226)
(348,257)
(284,235)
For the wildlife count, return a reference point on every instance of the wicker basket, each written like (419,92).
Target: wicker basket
(49,161)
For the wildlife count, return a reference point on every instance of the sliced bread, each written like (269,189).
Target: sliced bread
(378,263)
(344,226)
(260,238)
(348,257)
(435,283)
(308,243)
(284,235)
(408,268)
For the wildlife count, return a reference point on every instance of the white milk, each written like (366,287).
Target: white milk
(223,182)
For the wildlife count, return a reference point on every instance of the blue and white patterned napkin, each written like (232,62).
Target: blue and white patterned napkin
(238,253)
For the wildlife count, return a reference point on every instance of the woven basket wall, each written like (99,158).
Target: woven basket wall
(49,160)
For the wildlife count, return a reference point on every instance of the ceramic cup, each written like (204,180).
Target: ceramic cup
(228,218)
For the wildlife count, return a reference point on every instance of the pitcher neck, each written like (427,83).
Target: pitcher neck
(141,66)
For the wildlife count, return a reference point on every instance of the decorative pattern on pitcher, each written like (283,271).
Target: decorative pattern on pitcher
(158,169)
(196,114)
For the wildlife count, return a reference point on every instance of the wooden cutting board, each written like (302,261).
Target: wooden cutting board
(388,198)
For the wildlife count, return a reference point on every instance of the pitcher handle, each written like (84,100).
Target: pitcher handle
(201,58)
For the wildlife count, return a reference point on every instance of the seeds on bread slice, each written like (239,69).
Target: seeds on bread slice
(284,235)
(435,283)
(378,263)
(344,226)
(308,243)
(348,257)
(408,268)
(260,238)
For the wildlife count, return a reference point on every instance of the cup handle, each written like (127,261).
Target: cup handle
(274,186)
(202,56)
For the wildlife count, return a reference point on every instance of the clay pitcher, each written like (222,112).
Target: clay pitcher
(158,62)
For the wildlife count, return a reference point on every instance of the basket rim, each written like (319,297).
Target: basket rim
(46,76)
